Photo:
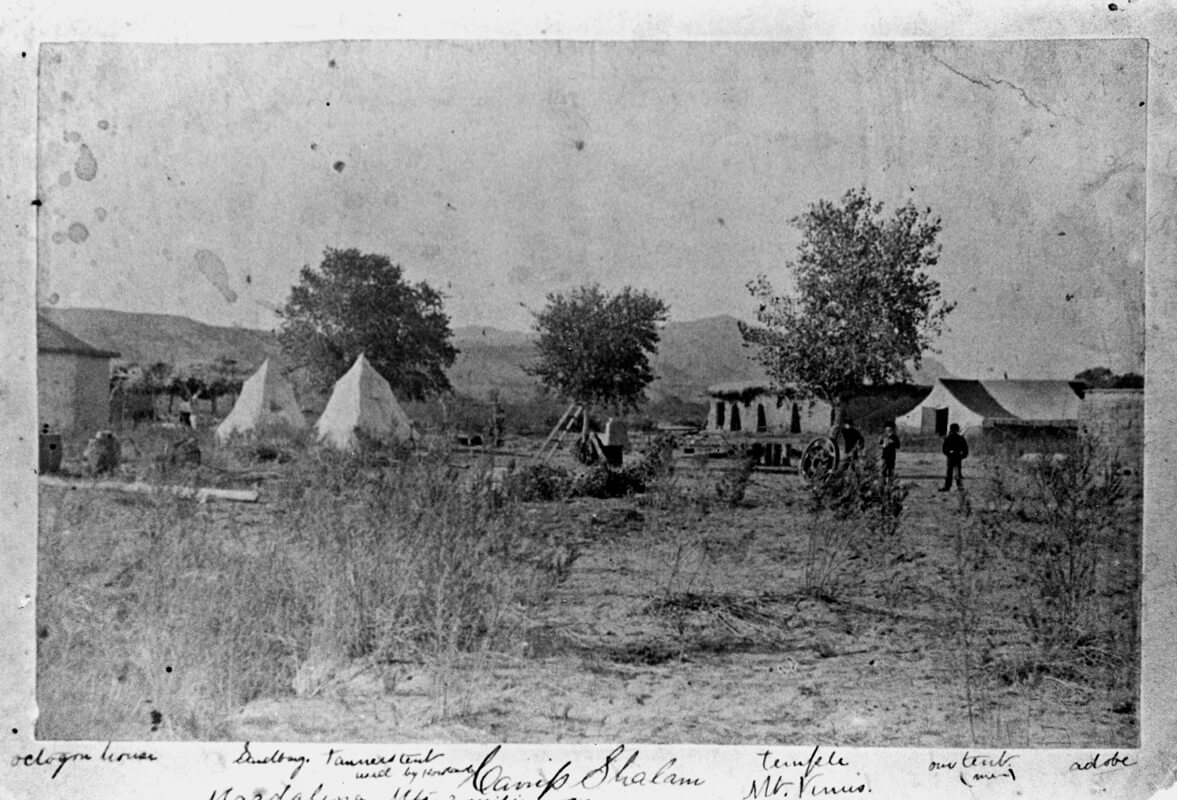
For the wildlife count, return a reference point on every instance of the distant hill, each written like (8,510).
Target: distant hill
(691,356)
(929,372)
(695,354)
(147,338)
(488,359)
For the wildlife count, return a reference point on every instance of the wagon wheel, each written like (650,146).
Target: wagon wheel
(819,459)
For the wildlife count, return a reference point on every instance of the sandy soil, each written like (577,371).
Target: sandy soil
(699,632)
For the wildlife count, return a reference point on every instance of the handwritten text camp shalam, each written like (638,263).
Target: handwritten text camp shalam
(622,768)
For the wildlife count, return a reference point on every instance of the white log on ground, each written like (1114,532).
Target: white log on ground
(138,487)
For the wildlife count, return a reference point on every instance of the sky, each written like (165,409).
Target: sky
(199,179)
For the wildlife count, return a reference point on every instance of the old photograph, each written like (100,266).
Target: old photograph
(588,391)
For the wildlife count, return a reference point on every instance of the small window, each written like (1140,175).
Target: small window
(719,409)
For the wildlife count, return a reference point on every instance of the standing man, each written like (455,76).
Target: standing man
(852,440)
(956,450)
(186,412)
(888,448)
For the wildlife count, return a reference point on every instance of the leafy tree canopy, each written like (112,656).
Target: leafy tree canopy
(1104,378)
(863,307)
(594,347)
(360,303)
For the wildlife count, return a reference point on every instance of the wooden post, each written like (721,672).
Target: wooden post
(556,431)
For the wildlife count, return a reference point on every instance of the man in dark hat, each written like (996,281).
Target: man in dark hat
(956,450)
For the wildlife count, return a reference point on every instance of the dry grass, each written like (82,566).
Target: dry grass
(406,598)
(1062,533)
(160,616)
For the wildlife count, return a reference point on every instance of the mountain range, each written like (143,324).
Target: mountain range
(691,356)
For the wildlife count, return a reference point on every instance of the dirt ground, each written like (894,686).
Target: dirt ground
(603,663)
(672,628)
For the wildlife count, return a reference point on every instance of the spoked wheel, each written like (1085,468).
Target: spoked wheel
(819,459)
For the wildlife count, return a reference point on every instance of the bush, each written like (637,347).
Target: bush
(1077,503)
(655,460)
(602,481)
(413,559)
(1062,523)
(733,484)
(858,490)
(854,516)
(538,482)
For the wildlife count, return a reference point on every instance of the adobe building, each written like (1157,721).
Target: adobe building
(754,407)
(73,381)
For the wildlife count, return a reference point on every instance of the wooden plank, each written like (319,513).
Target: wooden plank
(555,430)
(562,427)
(138,487)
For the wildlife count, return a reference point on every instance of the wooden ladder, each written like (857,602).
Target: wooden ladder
(556,437)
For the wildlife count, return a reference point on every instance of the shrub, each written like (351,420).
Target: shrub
(1061,523)
(602,481)
(538,482)
(733,484)
(858,490)
(1077,503)
(655,460)
(413,559)
(854,516)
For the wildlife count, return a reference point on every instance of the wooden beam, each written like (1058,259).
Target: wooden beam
(555,430)
(138,487)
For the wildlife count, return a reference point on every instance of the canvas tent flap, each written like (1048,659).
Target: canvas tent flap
(975,396)
(362,401)
(1035,400)
(266,401)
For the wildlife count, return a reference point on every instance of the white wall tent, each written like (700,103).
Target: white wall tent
(266,401)
(968,403)
(362,401)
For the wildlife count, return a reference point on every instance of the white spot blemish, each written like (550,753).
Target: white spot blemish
(24,601)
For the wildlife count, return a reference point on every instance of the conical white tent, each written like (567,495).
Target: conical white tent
(266,400)
(362,400)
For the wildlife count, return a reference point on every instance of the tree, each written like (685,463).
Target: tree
(863,307)
(1104,378)
(1097,377)
(594,347)
(359,303)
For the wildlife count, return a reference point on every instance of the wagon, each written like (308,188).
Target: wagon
(811,456)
